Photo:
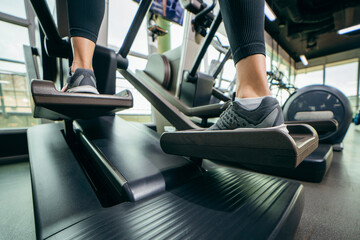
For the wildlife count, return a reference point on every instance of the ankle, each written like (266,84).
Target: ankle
(252,94)
(75,65)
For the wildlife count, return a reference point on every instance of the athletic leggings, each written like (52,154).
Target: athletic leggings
(243,19)
(85,17)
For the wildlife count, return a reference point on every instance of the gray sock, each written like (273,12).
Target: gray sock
(250,103)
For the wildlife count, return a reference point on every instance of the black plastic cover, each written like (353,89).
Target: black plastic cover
(312,169)
(62,195)
(224,204)
(134,158)
(13,142)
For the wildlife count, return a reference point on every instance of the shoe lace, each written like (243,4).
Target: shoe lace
(226,110)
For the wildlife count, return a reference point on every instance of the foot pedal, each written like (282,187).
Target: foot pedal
(52,104)
(267,146)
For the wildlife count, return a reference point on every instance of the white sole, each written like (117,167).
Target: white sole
(83,89)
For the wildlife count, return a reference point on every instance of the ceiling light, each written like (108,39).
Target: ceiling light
(304,60)
(269,13)
(349,29)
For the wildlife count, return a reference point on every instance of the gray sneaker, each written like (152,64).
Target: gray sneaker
(81,81)
(268,114)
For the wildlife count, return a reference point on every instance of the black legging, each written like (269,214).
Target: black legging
(85,17)
(244,23)
(243,19)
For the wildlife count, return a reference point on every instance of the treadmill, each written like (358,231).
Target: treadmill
(95,176)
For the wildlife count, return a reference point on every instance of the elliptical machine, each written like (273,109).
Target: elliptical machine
(321,102)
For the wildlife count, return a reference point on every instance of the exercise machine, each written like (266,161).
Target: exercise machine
(195,91)
(321,102)
(100,177)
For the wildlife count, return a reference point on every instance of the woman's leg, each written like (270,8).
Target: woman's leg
(85,17)
(244,23)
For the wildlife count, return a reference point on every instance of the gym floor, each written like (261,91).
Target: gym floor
(332,207)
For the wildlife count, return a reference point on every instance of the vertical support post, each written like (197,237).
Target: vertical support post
(103,32)
(358,85)
(164,42)
(14,91)
(272,54)
(2,102)
(31,18)
(289,70)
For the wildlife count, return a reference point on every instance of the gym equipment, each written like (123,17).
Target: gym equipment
(53,104)
(103,177)
(160,73)
(278,81)
(204,15)
(68,204)
(321,102)
(357,119)
(313,169)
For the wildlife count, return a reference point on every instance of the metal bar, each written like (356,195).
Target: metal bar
(206,11)
(2,102)
(46,20)
(14,20)
(220,95)
(138,55)
(11,106)
(134,27)
(30,15)
(214,27)
(173,115)
(221,66)
(12,61)
(14,91)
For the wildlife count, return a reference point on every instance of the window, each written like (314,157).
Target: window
(12,45)
(15,108)
(14,7)
(309,76)
(177,35)
(278,62)
(141,105)
(121,14)
(343,76)
(15,105)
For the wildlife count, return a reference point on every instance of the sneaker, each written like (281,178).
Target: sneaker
(268,114)
(81,81)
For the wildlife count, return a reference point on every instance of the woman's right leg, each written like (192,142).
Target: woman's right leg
(253,107)
(244,23)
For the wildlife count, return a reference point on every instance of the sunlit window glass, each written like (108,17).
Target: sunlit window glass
(121,14)
(12,45)
(14,7)
(309,77)
(343,76)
